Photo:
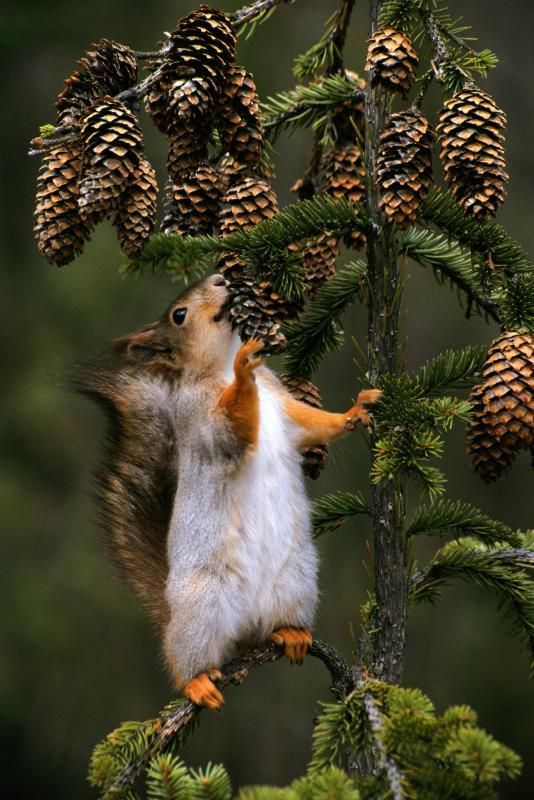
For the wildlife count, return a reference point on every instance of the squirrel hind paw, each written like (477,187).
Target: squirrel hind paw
(295,641)
(202,691)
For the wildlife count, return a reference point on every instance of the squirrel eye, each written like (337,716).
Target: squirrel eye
(178,315)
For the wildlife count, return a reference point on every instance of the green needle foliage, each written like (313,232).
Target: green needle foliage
(317,332)
(499,567)
(332,510)
(308,106)
(462,519)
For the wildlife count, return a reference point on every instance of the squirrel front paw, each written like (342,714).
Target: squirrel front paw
(359,412)
(202,691)
(245,364)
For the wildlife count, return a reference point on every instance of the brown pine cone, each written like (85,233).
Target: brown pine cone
(503,406)
(188,147)
(107,69)
(193,72)
(112,150)
(343,175)
(239,118)
(471,130)
(315,458)
(58,228)
(136,217)
(193,201)
(318,260)
(257,310)
(392,60)
(404,166)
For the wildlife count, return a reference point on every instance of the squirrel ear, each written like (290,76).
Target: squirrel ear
(142,346)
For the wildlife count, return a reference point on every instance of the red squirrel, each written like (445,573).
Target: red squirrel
(201,492)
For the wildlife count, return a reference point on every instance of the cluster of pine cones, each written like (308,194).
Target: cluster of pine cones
(470,129)
(103,172)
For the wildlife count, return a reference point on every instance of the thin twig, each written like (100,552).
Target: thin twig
(337,37)
(245,14)
(235,672)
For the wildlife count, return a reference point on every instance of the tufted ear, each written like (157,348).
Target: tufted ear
(145,347)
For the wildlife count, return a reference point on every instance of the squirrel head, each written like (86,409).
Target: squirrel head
(194,334)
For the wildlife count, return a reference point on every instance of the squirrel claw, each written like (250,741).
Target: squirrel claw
(243,363)
(202,691)
(359,413)
(295,641)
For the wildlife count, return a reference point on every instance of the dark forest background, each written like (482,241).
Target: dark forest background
(76,654)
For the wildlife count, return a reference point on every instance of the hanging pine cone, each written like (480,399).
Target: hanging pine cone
(188,146)
(193,72)
(315,458)
(318,260)
(107,69)
(239,117)
(137,212)
(503,406)
(112,150)
(392,61)
(343,175)
(404,166)
(257,310)
(59,230)
(193,201)
(471,128)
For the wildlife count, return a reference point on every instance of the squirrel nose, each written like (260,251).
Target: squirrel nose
(219,280)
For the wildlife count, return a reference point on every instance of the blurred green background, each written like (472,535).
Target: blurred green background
(77,656)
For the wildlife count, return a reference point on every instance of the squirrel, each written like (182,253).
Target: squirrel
(201,492)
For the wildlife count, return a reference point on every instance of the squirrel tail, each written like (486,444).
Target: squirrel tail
(135,484)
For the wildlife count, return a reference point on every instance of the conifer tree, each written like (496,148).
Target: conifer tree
(369,188)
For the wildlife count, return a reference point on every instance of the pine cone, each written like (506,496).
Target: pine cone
(503,406)
(318,260)
(59,230)
(136,218)
(392,61)
(188,147)
(404,166)
(239,117)
(193,202)
(257,310)
(471,129)
(193,72)
(112,150)
(343,175)
(107,69)
(315,458)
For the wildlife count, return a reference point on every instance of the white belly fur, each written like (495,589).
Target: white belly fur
(241,557)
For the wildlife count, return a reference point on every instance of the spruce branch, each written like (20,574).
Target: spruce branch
(462,519)
(327,54)
(450,260)
(498,250)
(256,12)
(119,760)
(452,369)
(317,331)
(332,510)
(508,571)
(308,105)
